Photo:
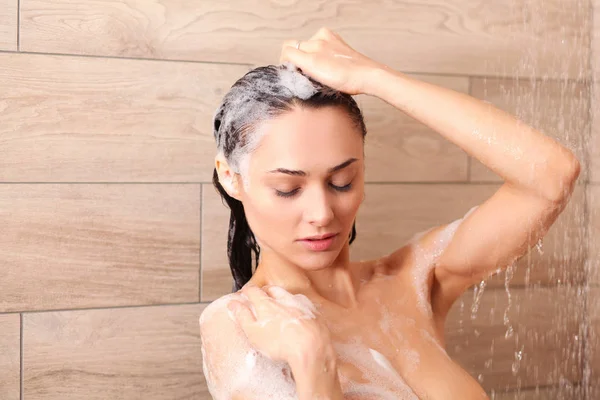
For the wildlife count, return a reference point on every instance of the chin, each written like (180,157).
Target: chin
(318,260)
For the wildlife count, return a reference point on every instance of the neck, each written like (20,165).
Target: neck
(335,283)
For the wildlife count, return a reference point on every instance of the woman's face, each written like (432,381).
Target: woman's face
(306,178)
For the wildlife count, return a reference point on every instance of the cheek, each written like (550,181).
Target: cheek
(349,207)
(267,219)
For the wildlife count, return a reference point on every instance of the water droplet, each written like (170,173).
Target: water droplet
(517,362)
(480,378)
(477,294)
(540,246)
(509,274)
(509,332)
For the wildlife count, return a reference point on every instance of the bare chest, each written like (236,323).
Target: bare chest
(389,348)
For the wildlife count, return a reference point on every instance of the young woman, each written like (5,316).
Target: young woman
(309,323)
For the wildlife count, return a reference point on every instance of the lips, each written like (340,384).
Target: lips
(319,243)
(319,237)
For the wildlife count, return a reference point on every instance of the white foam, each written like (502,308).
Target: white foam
(375,368)
(299,85)
(298,301)
(243,369)
(247,370)
(342,56)
(413,359)
(383,361)
(425,259)
(244,106)
(385,321)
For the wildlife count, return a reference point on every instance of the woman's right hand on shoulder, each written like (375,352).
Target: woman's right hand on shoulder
(277,323)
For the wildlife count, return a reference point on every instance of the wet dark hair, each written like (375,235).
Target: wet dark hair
(262,94)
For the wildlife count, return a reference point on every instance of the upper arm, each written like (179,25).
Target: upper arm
(232,368)
(223,351)
(491,237)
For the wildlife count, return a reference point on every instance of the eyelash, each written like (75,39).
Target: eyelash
(293,192)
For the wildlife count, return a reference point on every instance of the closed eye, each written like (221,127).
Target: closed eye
(291,193)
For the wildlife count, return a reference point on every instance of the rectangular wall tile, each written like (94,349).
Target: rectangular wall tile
(392,213)
(126,353)
(545,330)
(10,353)
(596,39)
(559,109)
(86,245)
(454,36)
(8,25)
(83,119)
(594,140)
(400,148)
(562,256)
(571,392)
(593,259)
(593,343)
(216,274)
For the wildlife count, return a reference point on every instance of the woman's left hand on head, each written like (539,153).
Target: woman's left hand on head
(326,58)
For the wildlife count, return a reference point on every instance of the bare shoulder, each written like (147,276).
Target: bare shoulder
(421,249)
(221,346)
(232,368)
(414,263)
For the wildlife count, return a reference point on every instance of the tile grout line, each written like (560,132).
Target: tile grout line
(101,56)
(100,308)
(443,74)
(488,289)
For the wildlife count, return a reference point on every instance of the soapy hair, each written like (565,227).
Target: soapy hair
(262,94)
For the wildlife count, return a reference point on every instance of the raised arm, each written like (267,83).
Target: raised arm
(539,173)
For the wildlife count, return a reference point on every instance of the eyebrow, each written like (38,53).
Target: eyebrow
(302,173)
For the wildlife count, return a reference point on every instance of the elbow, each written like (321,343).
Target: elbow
(565,179)
(575,168)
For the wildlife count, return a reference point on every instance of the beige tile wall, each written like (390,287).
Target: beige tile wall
(8,25)
(592,372)
(451,37)
(113,239)
(10,343)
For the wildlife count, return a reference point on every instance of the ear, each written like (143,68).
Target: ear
(227,177)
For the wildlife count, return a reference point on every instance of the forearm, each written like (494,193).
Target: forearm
(316,375)
(521,155)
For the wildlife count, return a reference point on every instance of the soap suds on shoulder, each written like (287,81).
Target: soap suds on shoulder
(424,259)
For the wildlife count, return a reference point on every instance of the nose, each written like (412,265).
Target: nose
(319,211)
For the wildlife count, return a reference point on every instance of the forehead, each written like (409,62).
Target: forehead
(306,137)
